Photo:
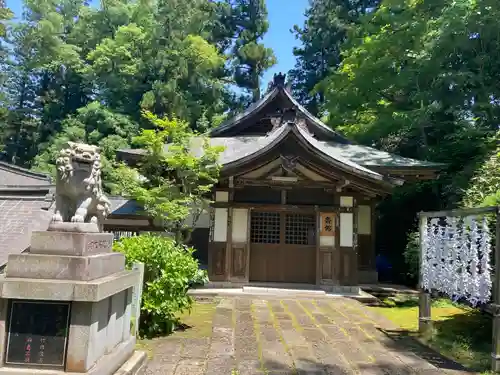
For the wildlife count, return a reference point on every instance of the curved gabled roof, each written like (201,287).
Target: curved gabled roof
(253,108)
(337,160)
(274,139)
(316,124)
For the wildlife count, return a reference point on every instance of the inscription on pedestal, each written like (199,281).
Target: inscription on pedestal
(37,334)
(96,245)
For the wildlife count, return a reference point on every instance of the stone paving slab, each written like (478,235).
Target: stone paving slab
(310,336)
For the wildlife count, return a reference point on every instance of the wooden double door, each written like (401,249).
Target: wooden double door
(283,247)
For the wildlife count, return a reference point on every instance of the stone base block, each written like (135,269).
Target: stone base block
(68,290)
(341,289)
(70,243)
(122,361)
(39,266)
(74,227)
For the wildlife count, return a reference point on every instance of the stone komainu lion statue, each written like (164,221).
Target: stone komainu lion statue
(79,194)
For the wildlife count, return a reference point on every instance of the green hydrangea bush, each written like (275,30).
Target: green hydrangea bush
(169,268)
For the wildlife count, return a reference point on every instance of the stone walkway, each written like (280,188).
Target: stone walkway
(287,336)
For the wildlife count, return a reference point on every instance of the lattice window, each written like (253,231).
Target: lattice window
(300,229)
(265,227)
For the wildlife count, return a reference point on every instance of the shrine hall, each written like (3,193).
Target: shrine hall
(296,201)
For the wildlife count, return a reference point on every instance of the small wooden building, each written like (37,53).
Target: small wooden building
(295,201)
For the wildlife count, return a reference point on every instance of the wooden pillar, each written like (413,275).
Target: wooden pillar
(229,242)
(218,257)
(318,239)
(355,248)
(347,264)
(424,300)
(495,352)
(373,254)
(326,250)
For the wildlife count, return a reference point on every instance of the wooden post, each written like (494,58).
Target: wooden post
(495,349)
(424,300)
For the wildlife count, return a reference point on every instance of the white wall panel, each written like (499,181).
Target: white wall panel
(327,241)
(346,201)
(222,196)
(240,225)
(346,229)
(220,225)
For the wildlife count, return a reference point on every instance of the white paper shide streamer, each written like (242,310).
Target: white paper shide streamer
(456,257)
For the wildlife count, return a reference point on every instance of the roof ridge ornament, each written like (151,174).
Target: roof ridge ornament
(302,124)
(278,81)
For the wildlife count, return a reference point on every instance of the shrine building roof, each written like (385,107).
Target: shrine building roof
(267,122)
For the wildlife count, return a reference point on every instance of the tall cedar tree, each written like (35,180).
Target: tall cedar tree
(322,37)
(251,57)
(75,72)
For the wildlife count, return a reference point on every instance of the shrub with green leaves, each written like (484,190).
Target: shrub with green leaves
(168,269)
(412,256)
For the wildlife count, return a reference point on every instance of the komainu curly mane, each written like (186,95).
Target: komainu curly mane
(79,194)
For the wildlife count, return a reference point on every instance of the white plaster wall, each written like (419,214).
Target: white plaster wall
(346,201)
(240,225)
(220,225)
(364,220)
(346,229)
(327,241)
(222,196)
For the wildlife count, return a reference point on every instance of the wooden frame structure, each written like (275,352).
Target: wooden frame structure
(424,307)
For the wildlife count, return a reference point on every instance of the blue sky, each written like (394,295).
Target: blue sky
(283,14)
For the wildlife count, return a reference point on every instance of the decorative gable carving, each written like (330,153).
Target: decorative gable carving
(285,167)
(289,163)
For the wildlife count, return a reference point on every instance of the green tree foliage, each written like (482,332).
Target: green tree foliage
(173,183)
(168,270)
(417,78)
(322,38)
(92,124)
(251,57)
(484,187)
(67,64)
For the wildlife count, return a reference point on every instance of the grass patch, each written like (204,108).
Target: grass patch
(198,322)
(459,332)
(194,324)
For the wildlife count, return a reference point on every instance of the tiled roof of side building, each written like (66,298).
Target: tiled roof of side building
(14,176)
(25,203)
(19,217)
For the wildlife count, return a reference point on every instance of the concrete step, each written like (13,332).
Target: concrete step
(282,291)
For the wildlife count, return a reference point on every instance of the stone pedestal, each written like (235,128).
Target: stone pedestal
(72,298)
